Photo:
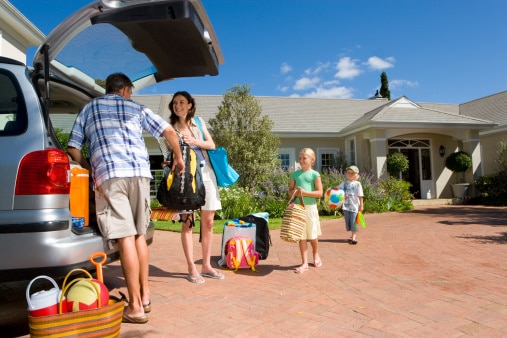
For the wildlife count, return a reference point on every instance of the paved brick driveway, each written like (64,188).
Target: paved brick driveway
(436,271)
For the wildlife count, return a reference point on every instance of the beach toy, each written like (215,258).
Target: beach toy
(334,197)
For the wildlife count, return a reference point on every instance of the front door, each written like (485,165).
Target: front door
(419,173)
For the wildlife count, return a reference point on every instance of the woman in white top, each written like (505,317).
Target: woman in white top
(182,107)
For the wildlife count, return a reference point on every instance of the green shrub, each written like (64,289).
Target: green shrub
(493,188)
(236,202)
(273,193)
(397,194)
(458,162)
(396,163)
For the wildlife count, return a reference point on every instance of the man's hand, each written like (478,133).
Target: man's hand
(180,164)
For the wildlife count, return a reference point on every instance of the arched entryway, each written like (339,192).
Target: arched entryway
(419,173)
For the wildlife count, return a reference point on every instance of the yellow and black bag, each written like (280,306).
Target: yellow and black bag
(183,192)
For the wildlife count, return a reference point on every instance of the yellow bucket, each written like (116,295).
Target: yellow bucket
(79,193)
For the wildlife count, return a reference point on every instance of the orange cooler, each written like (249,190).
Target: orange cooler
(79,193)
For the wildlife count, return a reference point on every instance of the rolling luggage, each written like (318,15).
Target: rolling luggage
(240,253)
(262,236)
(235,228)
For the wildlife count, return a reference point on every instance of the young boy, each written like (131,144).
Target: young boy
(353,202)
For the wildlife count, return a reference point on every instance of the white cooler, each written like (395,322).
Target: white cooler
(245,229)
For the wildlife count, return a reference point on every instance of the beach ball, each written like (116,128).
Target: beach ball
(83,295)
(334,197)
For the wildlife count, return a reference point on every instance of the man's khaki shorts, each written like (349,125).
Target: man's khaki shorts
(123,207)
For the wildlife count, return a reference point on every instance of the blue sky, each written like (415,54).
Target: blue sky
(444,51)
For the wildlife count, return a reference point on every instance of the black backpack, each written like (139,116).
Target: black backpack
(262,237)
(183,192)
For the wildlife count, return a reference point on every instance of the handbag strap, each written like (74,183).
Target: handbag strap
(199,124)
(300,197)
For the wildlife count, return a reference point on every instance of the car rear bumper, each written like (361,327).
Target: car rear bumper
(28,254)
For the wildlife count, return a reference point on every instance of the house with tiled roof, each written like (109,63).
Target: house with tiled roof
(367,131)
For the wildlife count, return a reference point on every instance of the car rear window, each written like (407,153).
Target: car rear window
(92,50)
(13,116)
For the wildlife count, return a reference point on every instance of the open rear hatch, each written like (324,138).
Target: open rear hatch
(148,40)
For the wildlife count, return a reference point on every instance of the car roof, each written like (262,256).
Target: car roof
(148,40)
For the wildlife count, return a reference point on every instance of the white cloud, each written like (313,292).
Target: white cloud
(330,83)
(306,83)
(347,68)
(330,93)
(318,69)
(377,63)
(283,89)
(285,68)
(402,83)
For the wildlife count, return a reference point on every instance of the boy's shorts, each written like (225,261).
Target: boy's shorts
(350,220)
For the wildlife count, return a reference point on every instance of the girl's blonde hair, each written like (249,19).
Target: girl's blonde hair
(309,152)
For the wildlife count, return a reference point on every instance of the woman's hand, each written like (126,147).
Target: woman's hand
(188,138)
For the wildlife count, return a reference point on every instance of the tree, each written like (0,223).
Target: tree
(459,162)
(384,86)
(501,153)
(396,163)
(250,143)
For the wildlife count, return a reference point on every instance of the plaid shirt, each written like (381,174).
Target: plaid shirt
(113,127)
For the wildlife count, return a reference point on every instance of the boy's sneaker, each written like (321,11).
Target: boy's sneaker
(353,242)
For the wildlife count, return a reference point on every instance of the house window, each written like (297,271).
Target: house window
(284,161)
(288,159)
(351,151)
(327,158)
(326,161)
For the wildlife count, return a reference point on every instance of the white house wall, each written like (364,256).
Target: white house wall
(489,148)
(17,33)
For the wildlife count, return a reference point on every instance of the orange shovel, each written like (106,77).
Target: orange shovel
(98,264)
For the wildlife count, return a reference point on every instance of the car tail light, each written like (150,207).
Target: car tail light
(43,172)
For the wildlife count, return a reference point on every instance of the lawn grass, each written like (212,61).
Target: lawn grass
(218,225)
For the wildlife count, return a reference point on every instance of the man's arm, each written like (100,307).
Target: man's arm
(172,138)
(77,156)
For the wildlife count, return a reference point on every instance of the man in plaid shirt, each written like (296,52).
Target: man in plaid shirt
(113,125)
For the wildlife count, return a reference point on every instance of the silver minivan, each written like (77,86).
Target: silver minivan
(148,40)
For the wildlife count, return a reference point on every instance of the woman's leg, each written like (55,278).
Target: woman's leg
(188,247)
(206,240)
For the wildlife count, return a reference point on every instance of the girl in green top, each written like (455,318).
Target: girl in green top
(307,183)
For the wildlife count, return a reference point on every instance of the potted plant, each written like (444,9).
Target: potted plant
(459,162)
(396,163)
